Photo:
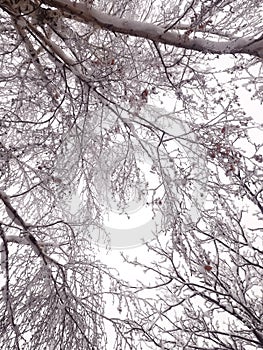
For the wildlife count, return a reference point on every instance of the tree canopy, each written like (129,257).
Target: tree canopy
(115,107)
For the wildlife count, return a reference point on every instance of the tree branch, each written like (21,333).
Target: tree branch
(87,14)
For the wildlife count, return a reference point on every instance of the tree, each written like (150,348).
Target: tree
(80,82)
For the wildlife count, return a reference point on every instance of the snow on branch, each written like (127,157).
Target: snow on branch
(11,212)
(88,14)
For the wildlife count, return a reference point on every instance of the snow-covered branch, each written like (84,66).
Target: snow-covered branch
(11,212)
(156,33)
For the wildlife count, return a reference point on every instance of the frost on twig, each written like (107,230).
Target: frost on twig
(3,256)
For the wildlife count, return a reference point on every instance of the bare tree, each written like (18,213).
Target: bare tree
(79,85)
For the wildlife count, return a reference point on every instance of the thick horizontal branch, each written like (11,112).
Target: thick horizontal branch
(89,15)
